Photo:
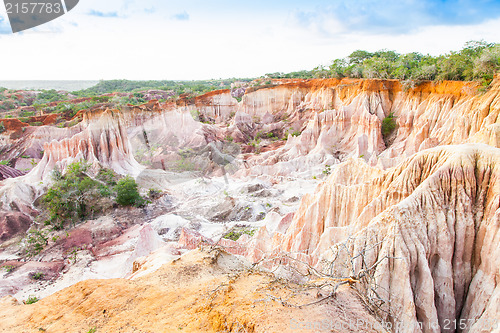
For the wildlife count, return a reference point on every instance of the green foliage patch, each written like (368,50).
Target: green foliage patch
(177,87)
(236,233)
(388,125)
(35,242)
(9,268)
(77,195)
(73,196)
(31,300)
(37,276)
(477,60)
(127,193)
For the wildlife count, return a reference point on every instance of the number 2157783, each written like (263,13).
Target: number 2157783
(33,8)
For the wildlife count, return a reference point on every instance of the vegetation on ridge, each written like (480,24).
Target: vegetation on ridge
(478,60)
(175,87)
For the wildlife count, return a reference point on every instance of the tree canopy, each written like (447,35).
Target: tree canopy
(478,60)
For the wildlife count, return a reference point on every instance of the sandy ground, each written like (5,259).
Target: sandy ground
(203,291)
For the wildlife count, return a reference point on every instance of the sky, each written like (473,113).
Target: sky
(194,39)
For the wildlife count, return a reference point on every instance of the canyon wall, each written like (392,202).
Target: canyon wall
(330,120)
(429,228)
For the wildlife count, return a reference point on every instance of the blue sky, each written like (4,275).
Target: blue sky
(194,39)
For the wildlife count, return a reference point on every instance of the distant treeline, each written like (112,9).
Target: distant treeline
(478,60)
(178,87)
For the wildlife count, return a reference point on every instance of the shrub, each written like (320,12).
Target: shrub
(127,193)
(388,125)
(108,176)
(27,114)
(195,114)
(51,96)
(272,136)
(183,164)
(235,234)
(37,276)
(154,193)
(73,196)
(2,127)
(101,99)
(327,170)
(31,300)
(35,242)
(9,268)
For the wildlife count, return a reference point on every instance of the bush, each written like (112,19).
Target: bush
(127,193)
(73,196)
(328,170)
(388,125)
(154,193)
(9,268)
(50,96)
(37,276)
(27,114)
(108,176)
(31,300)
(35,242)
(235,234)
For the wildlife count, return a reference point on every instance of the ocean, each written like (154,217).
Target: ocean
(68,85)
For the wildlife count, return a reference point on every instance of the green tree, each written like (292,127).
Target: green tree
(338,67)
(378,67)
(487,64)
(127,193)
(73,196)
(358,57)
(320,72)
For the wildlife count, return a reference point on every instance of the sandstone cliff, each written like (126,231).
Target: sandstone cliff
(103,141)
(429,228)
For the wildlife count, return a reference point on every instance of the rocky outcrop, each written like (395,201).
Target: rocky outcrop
(429,227)
(12,224)
(8,172)
(102,142)
(218,105)
(444,114)
(328,137)
(335,119)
